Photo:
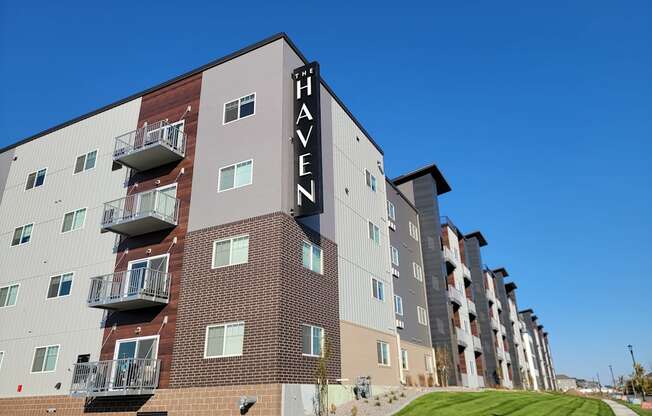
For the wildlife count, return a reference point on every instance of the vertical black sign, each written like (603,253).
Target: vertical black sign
(307,141)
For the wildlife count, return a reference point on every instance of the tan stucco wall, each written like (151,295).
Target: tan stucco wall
(416,374)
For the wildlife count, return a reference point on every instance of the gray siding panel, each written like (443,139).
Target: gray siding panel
(5,165)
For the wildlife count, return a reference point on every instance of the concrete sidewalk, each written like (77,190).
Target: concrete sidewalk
(619,409)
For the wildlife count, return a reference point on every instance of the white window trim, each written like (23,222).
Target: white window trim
(375,227)
(405,361)
(224,122)
(412,227)
(321,271)
(422,312)
(230,251)
(312,347)
(120,341)
(74,213)
(36,171)
(2,358)
(97,154)
(17,293)
(373,294)
(235,165)
(389,355)
(206,356)
(391,213)
(72,283)
(56,361)
(401,302)
(417,271)
(372,180)
(393,249)
(21,235)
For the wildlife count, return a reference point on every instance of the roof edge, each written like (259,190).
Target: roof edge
(432,169)
(502,271)
(401,194)
(478,235)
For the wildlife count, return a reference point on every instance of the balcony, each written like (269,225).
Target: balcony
(508,357)
(491,297)
(463,338)
(141,213)
(503,329)
(150,146)
(471,306)
(466,272)
(495,325)
(500,354)
(455,295)
(127,376)
(449,256)
(130,289)
(477,344)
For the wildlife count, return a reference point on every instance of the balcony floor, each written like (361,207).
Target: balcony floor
(148,157)
(113,392)
(126,303)
(139,224)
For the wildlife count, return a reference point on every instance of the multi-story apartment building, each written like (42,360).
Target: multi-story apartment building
(499,331)
(545,374)
(521,363)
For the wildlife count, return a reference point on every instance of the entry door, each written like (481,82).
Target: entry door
(166,201)
(131,369)
(147,275)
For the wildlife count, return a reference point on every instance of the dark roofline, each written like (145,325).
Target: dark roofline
(526,311)
(510,286)
(479,236)
(540,327)
(401,194)
(501,270)
(535,318)
(442,185)
(219,61)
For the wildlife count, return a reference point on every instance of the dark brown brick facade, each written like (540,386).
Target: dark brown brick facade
(272,293)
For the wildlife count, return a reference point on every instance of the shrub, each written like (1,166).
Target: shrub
(377,403)
(333,408)
(354,411)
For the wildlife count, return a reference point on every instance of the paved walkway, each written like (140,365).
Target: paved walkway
(619,409)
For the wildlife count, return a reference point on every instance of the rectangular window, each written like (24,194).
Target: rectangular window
(224,340)
(382,350)
(45,359)
(418,272)
(374,233)
(312,258)
(35,179)
(2,357)
(235,176)
(378,289)
(414,231)
(422,315)
(60,285)
(428,362)
(231,251)
(404,359)
(85,162)
(8,295)
(391,211)
(394,252)
(398,305)
(370,180)
(73,220)
(240,108)
(312,340)
(22,235)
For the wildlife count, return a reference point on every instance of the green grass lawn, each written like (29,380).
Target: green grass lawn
(499,403)
(636,408)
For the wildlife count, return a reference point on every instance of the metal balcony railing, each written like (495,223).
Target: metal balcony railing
(128,376)
(495,325)
(491,296)
(130,289)
(471,306)
(141,213)
(477,344)
(508,357)
(150,146)
(449,256)
(466,272)
(455,295)
(503,329)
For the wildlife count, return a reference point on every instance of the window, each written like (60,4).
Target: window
(60,285)
(414,231)
(378,289)
(428,361)
(312,339)
(404,359)
(235,176)
(370,180)
(2,357)
(45,359)
(394,252)
(22,235)
(35,179)
(422,315)
(73,220)
(8,295)
(382,349)
(391,211)
(231,251)
(374,233)
(312,258)
(240,108)
(398,305)
(418,272)
(85,162)
(224,340)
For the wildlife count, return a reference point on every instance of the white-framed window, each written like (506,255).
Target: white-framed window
(422,315)
(312,340)
(231,251)
(370,180)
(22,235)
(60,285)
(374,233)
(394,253)
(418,271)
(235,176)
(224,340)
(45,359)
(382,351)
(414,231)
(391,211)
(428,362)
(312,257)
(85,162)
(8,295)
(2,358)
(35,179)
(404,359)
(240,108)
(73,220)
(398,305)
(378,289)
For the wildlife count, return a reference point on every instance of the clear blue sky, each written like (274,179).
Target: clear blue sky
(540,117)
